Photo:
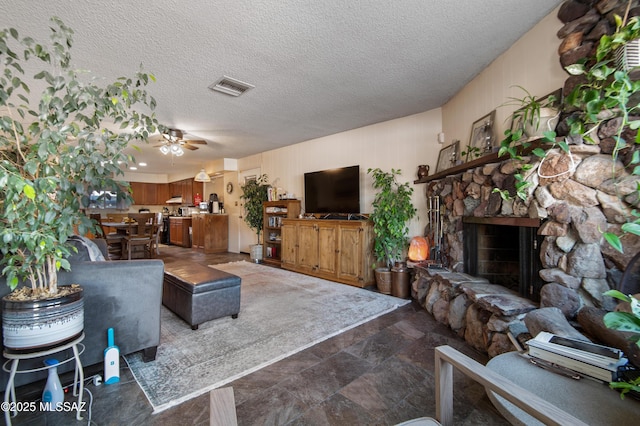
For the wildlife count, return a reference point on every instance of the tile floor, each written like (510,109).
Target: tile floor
(379,373)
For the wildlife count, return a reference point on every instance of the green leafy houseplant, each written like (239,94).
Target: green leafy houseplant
(610,93)
(532,110)
(255,192)
(56,146)
(392,210)
(606,94)
(629,322)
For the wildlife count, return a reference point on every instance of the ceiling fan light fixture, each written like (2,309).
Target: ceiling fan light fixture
(164,149)
(175,149)
(202,176)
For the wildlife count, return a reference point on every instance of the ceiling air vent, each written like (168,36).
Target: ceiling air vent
(230,86)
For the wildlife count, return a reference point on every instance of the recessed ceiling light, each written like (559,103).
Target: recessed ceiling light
(142,164)
(133,168)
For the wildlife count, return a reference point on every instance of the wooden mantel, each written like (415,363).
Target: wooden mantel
(481,161)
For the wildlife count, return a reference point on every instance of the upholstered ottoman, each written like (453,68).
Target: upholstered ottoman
(197,293)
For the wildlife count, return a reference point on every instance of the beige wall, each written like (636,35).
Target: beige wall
(402,144)
(532,62)
(407,142)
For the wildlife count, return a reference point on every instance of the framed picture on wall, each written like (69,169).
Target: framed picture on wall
(483,135)
(448,156)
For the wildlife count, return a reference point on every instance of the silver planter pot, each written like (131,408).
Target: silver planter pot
(256,253)
(29,326)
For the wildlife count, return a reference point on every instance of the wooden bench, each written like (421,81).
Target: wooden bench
(197,293)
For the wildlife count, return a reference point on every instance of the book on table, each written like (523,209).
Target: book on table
(589,359)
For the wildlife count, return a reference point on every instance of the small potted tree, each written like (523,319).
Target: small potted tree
(255,192)
(392,210)
(55,148)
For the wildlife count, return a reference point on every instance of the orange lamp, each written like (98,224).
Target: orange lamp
(418,249)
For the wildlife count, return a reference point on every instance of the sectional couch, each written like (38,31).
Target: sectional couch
(125,295)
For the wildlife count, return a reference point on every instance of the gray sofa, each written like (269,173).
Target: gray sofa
(125,295)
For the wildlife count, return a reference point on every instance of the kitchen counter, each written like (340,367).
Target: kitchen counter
(211,232)
(180,230)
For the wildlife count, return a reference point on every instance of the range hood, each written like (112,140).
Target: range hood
(176,199)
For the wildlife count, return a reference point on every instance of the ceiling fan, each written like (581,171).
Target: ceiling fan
(173,142)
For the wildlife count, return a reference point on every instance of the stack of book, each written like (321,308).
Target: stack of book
(585,358)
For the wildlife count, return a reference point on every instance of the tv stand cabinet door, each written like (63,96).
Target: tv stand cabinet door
(307,260)
(327,249)
(350,254)
(289,234)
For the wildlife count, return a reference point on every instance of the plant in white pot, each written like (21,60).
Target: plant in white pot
(535,115)
(56,146)
(392,210)
(255,193)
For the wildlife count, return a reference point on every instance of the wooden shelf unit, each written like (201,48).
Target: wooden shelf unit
(274,212)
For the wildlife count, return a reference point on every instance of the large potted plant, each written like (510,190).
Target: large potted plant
(56,146)
(254,193)
(392,210)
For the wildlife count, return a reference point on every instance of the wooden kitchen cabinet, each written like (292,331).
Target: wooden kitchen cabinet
(210,232)
(186,188)
(149,193)
(179,231)
(162,193)
(338,250)
(143,193)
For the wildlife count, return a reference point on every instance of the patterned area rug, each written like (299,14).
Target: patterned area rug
(281,313)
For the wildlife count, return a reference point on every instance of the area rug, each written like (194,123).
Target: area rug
(281,313)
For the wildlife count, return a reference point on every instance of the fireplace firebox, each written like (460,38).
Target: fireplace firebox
(505,251)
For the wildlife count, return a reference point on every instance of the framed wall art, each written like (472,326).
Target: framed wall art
(448,156)
(483,135)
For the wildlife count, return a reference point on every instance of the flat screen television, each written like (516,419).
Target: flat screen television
(333,191)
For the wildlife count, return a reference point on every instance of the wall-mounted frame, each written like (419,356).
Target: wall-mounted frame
(448,156)
(483,136)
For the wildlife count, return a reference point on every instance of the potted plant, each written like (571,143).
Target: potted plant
(535,115)
(255,192)
(392,210)
(56,146)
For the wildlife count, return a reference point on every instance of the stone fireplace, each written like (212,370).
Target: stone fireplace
(506,258)
(505,261)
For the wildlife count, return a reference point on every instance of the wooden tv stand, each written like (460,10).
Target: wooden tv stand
(337,250)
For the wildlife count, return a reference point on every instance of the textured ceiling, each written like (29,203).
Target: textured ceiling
(319,67)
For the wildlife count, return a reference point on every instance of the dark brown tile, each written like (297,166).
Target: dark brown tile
(379,373)
(326,378)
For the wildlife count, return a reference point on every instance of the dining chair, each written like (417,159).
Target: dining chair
(155,244)
(113,239)
(139,234)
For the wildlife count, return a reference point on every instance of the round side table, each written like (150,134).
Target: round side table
(14,359)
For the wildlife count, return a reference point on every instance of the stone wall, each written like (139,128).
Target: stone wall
(576,195)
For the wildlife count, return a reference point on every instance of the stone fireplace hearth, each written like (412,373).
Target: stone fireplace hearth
(559,240)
